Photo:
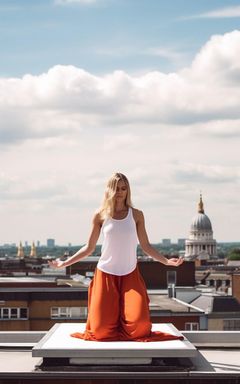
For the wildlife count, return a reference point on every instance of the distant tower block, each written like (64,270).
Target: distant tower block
(50,243)
(200,244)
(33,252)
(20,252)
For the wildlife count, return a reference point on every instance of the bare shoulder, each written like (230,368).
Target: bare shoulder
(137,214)
(97,219)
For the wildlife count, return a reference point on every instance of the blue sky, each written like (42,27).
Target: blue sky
(104,35)
(91,87)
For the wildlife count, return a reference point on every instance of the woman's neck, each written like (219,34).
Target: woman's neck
(120,207)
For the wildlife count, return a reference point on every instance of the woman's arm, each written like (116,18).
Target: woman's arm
(146,246)
(86,250)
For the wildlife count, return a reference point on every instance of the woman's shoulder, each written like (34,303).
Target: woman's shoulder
(137,214)
(97,217)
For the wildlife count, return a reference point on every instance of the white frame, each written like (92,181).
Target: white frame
(8,315)
(191,325)
(67,312)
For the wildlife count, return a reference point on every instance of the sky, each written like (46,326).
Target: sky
(148,88)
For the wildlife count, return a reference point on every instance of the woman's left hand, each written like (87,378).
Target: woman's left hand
(175,262)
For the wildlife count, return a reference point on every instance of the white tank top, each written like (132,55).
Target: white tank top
(119,248)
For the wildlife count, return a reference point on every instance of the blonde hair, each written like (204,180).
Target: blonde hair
(107,207)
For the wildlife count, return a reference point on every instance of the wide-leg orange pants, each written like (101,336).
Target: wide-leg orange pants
(118,310)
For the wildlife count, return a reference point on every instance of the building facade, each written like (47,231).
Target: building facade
(200,244)
(155,274)
(38,309)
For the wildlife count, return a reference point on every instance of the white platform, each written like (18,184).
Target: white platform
(58,343)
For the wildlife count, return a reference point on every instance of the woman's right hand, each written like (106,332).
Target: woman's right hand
(56,263)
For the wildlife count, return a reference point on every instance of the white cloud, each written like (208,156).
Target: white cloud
(164,52)
(67,100)
(217,61)
(15,188)
(226,129)
(192,173)
(167,53)
(64,132)
(118,142)
(225,12)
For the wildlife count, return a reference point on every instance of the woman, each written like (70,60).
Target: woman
(118,304)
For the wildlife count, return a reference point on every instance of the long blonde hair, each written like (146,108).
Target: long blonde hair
(107,207)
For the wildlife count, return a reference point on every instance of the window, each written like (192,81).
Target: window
(68,312)
(23,313)
(5,313)
(191,326)
(231,324)
(13,313)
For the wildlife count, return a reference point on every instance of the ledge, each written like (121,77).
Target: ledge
(214,363)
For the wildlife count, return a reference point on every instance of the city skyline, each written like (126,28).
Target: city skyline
(28,244)
(146,88)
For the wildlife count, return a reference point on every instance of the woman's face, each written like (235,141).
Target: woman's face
(121,191)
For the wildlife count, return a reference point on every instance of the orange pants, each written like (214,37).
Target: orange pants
(118,310)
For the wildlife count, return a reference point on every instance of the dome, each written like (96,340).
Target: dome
(200,244)
(201,222)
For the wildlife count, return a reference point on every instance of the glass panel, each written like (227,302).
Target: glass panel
(14,313)
(191,326)
(54,311)
(75,312)
(195,326)
(23,313)
(63,311)
(231,325)
(5,313)
(68,312)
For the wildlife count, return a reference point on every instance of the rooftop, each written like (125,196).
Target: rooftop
(210,303)
(165,303)
(217,360)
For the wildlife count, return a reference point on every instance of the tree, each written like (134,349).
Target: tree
(234,254)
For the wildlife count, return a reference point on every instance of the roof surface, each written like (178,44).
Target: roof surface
(218,357)
(201,222)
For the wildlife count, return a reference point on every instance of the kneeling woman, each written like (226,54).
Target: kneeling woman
(118,304)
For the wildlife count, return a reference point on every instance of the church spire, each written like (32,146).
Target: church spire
(200,205)
(33,252)
(20,252)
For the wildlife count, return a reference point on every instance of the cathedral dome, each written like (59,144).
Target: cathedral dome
(201,222)
(200,245)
